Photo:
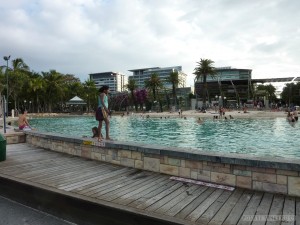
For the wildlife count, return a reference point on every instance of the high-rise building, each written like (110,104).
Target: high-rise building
(114,80)
(141,75)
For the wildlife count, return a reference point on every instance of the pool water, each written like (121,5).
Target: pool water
(261,137)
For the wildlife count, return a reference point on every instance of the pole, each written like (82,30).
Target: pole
(6,58)
(7,87)
(4,111)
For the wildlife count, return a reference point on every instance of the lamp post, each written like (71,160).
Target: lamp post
(6,58)
(25,104)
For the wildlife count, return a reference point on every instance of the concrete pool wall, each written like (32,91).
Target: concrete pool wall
(275,175)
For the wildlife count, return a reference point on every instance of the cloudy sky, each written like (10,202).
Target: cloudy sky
(88,36)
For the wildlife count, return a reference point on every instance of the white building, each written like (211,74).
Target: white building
(114,80)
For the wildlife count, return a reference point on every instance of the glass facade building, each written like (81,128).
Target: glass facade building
(141,75)
(231,83)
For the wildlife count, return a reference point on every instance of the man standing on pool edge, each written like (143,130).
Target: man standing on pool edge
(103,112)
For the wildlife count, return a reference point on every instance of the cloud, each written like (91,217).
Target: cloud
(87,36)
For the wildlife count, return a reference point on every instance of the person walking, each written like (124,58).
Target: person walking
(103,112)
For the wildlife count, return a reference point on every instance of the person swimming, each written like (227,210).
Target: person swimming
(95,133)
(199,121)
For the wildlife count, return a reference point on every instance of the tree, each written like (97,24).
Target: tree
(54,88)
(154,83)
(175,80)
(17,77)
(37,85)
(141,97)
(269,91)
(90,93)
(291,93)
(202,70)
(131,86)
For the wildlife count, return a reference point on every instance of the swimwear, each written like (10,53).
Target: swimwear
(24,127)
(101,114)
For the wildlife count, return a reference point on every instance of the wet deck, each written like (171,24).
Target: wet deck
(145,192)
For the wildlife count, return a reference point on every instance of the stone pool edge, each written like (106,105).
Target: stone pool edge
(238,170)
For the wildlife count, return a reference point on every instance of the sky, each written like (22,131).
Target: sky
(88,36)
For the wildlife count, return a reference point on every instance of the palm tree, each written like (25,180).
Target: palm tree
(17,77)
(54,88)
(91,93)
(154,83)
(131,86)
(202,70)
(37,84)
(175,80)
(269,90)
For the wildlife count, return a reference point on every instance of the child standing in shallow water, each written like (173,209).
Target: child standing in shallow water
(103,111)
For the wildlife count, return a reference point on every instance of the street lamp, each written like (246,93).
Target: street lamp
(25,104)
(6,58)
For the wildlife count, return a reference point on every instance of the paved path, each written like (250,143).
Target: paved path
(145,192)
(13,213)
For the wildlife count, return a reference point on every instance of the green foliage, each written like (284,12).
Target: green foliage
(45,91)
(203,69)
(266,90)
(291,93)
(175,80)
(132,86)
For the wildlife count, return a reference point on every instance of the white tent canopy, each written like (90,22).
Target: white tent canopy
(75,101)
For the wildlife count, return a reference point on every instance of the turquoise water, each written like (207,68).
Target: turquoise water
(261,137)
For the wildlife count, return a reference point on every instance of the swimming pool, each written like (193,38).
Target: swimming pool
(260,137)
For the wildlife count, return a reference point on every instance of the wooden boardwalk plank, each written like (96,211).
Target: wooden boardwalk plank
(110,182)
(248,214)
(151,192)
(110,196)
(91,179)
(214,208)
(168,198)
(197,212)
(106,182)
(136,193)
(194,204)
(67,172)
(117,186)
(161,195)
(178,199)
(45,168)
(239,208)
(298,211)
(276,210)
(263,209)
(226,208)
(188,200)
(289,211)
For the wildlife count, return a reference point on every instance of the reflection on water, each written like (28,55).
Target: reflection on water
(264,137)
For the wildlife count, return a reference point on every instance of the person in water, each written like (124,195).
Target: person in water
(95,133)
(102,113)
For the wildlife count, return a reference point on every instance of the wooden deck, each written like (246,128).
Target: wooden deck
(146,192)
